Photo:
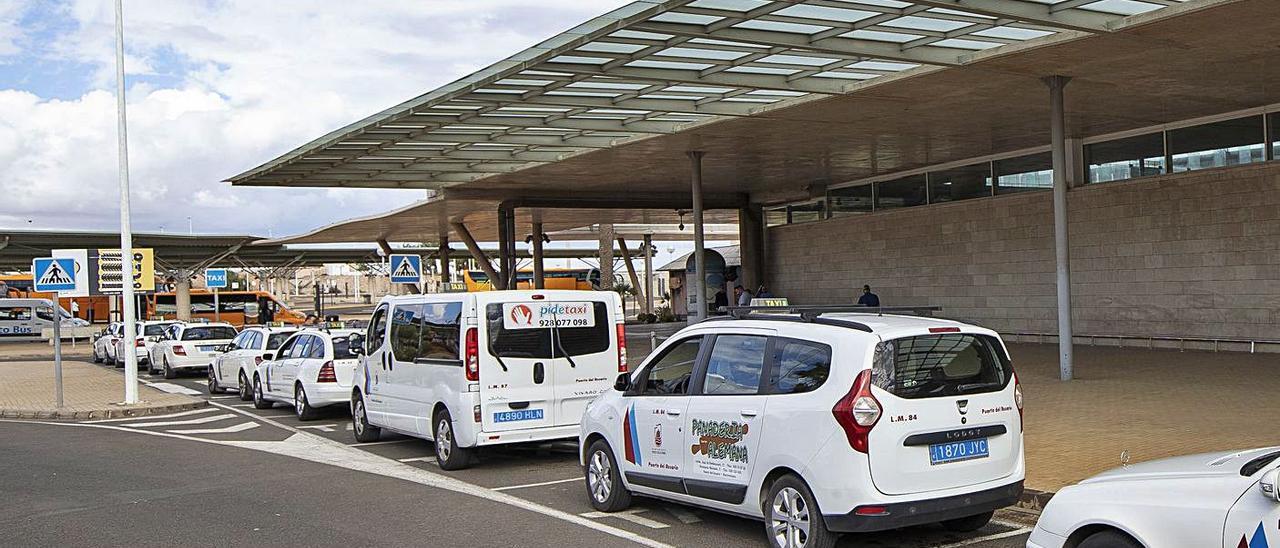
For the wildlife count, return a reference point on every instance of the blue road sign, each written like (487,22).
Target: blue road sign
(215,278)
(54,274)
(406,269)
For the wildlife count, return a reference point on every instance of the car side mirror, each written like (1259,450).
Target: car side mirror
(1270,484)
(623,382)
(355,342)
(269,356)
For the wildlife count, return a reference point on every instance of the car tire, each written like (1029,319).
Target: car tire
(968,523)
(301,407)
(96,357)
(1108,539)
(448,455)
(365,432)
(259,402)
(246,389)
(792,517)
(169,373)
(214,388)
(604,479)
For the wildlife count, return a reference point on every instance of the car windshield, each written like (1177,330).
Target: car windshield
(209,333)
(930,366)
(277,339)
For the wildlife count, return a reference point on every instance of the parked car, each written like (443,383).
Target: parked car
(148,332)
(234,367)
(817,424)
(314,368)
(476,369)
(1226,499)
(188,347)
(104,343)
(26,319)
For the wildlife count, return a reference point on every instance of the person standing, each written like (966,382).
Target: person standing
(741,296)
(868,298)
(75,308)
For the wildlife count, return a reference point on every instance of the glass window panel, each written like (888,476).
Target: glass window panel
(799,366)
(961,183)
(850,200)
(1126,158)
(1034,172)
(1273,125)
(670,374)
(775,217)
(805,213)
(1219,144)
(735,365)
(905,192)
(406,329)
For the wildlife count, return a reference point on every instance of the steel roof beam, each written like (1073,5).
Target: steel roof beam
(654,105)
(590,124)
(694,77)
(1030,12)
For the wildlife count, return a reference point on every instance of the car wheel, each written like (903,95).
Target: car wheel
(365,432)
(1108,539)
(259,402)
(448,455)
(246,389)
(169,373)
(968,523)
(96,357)
(604,479)
(300,405)
(792,517)
(213,383)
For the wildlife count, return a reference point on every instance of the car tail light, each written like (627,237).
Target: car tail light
(1017,400)
(871,511)
(473,354)
(475,412)
(139,343)
(326,373)
(622,348)
(858,412)
(178,350)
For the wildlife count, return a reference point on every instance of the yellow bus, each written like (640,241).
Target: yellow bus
(235,307)
(553,278)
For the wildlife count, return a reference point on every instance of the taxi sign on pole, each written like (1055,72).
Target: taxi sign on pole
(215,278)
(54,274)
(406,269)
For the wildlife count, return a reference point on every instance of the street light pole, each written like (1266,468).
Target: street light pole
(126,235)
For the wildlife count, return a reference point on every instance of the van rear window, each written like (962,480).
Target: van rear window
(537,342)
(931,366)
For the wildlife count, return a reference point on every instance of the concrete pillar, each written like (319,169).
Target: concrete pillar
(699,311)
(1061,244)
(631,268)
(751,242)
(182,295)
(648,273)
(606,255)
(539,269)
(444,257)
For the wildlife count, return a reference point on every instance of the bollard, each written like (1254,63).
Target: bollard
(653,341)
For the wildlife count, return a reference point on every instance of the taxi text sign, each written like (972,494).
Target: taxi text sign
(543,315)
(215,278)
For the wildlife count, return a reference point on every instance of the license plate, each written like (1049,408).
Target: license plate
(521,415)
(956,451)
(206,348)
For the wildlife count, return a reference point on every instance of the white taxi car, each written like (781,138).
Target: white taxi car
(313,369)
(149,332)
(818,424)
(1226,499)
(104,346)
(188,347)
(251,347)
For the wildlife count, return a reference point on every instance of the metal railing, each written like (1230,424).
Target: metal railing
(1150,340)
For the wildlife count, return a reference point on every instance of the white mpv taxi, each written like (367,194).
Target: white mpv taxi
(816,423)
(495,367)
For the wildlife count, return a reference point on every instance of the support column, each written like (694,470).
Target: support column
(444,258)
(606,255)
(648,273)
(751,240)
(539,269)
(386,250)
(699,310)
(1061,244)
(182,294)
(478,255)
(504,256)
(631,269)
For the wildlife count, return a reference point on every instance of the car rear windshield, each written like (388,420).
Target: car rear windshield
(211,333)
(537,343)
(342,348)
(931,366)
(155,329)
(277,339)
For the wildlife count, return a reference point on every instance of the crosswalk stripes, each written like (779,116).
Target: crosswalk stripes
(200,420)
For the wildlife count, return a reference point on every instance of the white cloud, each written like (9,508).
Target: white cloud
(233,84)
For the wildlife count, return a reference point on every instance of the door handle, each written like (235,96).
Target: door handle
(674,412)
(749,412)
(539,373)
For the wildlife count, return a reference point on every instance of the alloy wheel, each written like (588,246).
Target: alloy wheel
(789,521)
(600,476)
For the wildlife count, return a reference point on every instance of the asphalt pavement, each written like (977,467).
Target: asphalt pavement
(234,475)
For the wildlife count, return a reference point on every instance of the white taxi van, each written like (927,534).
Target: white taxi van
(475,369)
(817,424)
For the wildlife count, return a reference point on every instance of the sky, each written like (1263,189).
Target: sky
(216,87)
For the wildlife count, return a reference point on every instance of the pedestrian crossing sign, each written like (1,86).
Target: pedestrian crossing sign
(406,269)
(54,274)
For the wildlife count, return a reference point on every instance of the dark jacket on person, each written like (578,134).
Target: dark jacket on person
(869,299)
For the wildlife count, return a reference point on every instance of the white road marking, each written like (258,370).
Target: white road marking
(222,397)
(628,515)
(200,420)
(320,427)
(686,517)
(511,487)
(242,405)
(997,536)
(174,388)
(169,416)
(228,430)
(388,442)
(423,459)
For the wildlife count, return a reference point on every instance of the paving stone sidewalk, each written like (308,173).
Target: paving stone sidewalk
(89,392)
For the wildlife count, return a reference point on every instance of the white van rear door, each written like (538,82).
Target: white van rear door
(516,387)
(586,356)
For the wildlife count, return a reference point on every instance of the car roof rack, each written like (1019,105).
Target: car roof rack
(813,313)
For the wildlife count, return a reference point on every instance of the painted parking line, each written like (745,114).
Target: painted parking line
(996,536)
(388,442)
(175,389)
(628,515)
(431,460)
(321,427)
(200,420)
(540,484)
(228,430)
(169,416)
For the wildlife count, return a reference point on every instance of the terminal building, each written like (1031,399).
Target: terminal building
(1059,168)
